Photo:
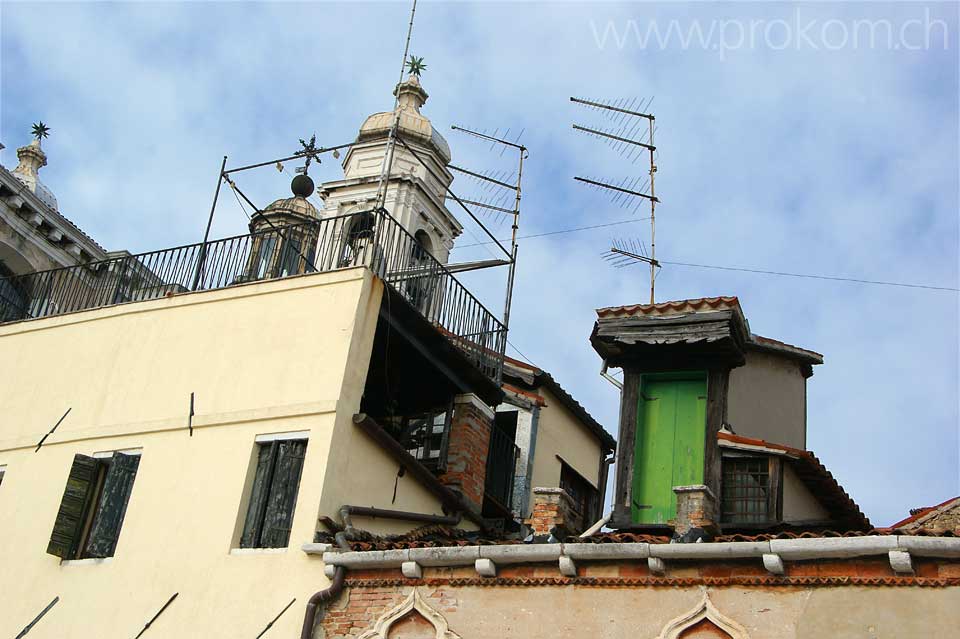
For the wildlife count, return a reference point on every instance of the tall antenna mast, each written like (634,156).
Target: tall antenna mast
(629,117)
(522,155)
(392,138)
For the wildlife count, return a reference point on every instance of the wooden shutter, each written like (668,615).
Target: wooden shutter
(282,500)
(113,505)
(73,507)
(262,479)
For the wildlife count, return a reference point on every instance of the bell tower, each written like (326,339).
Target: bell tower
(418,179)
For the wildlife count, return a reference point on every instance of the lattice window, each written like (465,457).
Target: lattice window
(747,492)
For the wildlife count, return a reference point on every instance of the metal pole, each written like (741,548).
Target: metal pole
(653,217)
(30,625)
(206,234)
(392,139)
(513,245)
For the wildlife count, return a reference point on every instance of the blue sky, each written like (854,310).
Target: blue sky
(791,148)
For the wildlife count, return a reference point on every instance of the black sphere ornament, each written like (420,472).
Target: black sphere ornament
(302,186)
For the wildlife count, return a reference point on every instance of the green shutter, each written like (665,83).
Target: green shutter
(258,496)
(278,516)
(113,505)
(76,499)
(671,431)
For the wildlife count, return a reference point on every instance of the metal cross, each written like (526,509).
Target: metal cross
(310,151)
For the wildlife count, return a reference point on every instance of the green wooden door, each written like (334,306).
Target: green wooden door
(671,425)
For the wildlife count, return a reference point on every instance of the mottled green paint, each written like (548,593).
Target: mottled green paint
(671,426)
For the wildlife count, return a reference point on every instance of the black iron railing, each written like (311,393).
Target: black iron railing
(371,238)
(501,467)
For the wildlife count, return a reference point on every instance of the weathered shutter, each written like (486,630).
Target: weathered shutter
(283,494)
(253,524)
(73,506)
(113,505)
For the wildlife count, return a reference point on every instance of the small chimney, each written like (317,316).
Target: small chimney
(467,448)
(553,511)
(696,508)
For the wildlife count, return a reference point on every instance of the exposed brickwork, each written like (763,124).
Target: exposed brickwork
(468,446)
(696,508)
(553,507)
(364,601)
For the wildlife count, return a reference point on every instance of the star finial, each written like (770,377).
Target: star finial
(416,65)
(310,151)
(41,130)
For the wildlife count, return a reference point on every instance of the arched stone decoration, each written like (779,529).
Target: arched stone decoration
(704,611)
(414,602)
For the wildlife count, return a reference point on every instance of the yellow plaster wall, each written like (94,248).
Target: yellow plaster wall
(560,433)
(280,356)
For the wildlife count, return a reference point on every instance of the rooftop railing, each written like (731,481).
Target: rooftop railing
(371,238)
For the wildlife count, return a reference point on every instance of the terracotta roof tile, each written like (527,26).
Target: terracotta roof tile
(698,304)
(820,481)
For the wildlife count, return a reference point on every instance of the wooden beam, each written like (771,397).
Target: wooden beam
(629,399)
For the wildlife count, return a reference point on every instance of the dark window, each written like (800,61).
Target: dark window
(3,470)
(582,492)
(426,438)
(502,455)
(290,258)
(273,496)
(93,506)
(748,496)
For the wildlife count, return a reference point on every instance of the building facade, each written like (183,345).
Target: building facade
(183,428)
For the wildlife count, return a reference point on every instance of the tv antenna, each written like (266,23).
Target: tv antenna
(497,204)
(632,137)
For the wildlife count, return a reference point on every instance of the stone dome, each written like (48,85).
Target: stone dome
(295,206)
(413,124)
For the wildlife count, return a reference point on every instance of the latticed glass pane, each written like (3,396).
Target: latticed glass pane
(746,490)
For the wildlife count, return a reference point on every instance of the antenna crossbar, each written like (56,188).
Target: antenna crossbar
(489,137)
(480,176)
(600,105)
(635,256)
(615,188)
(603,134)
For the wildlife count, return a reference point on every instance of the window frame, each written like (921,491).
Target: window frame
(773,512)
(260,494)
(588,506)
(92,535)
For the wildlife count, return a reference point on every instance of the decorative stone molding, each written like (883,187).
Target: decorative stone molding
(773,564)
(705,610)
(901,562)
(413,602)
(656,566)
(411,570)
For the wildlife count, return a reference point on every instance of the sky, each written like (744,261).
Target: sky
(814,138)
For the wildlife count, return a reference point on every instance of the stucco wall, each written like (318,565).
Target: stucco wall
(560,433)
(644,612)
(767,400)
(280,356)
(799,505)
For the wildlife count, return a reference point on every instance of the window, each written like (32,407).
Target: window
(273,495)
(268,244)
(582,492)
(3,471)
(93,506)
(426,438)
(290,258)
(749,490)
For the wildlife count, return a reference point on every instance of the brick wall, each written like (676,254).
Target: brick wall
(553,507)
(467,449)
(696,508)
(359,608)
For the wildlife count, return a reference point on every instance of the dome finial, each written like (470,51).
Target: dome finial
(416,65)
(40,130)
